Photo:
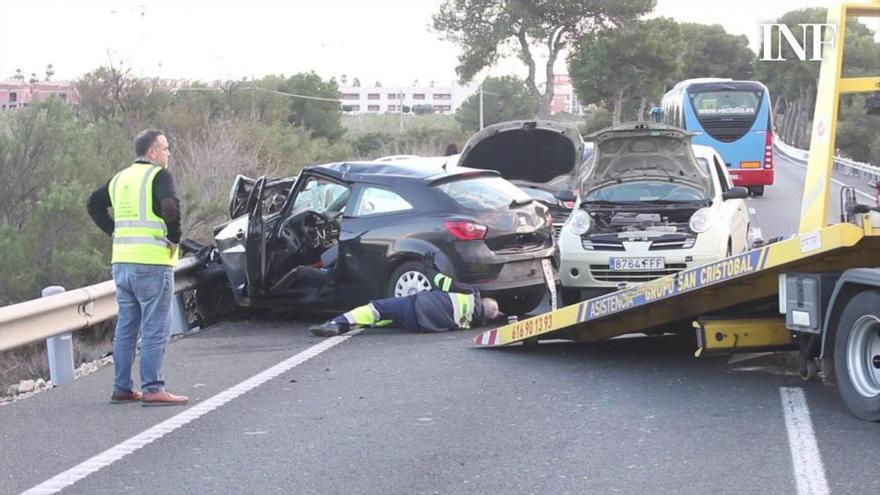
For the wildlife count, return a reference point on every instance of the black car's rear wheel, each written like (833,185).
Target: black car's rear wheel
(409,278)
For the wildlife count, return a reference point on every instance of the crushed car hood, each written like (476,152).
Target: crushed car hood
(529,151)
(643,151)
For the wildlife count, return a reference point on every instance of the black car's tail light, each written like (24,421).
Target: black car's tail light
(466,231)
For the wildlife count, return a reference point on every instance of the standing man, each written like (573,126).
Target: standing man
(146,231)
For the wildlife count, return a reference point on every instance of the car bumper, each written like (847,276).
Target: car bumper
(474,264)
(756,177)
(593,271)
(582,268)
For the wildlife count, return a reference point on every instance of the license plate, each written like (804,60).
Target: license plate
(551,282)
(636,264)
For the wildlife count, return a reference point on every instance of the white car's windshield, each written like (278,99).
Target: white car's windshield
(645,191)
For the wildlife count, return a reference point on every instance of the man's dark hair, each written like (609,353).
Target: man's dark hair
(144,140)
(451,149)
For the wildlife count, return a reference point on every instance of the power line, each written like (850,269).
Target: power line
(292,95)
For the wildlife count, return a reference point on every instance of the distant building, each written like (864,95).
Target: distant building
(18,95)
(391,99)
(564,99)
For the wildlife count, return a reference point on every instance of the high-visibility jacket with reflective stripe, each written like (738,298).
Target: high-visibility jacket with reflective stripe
(437,310)
(139,235)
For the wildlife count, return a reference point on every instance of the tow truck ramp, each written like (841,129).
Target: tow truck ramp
(707,296)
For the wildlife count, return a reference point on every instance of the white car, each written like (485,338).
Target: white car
(650,204)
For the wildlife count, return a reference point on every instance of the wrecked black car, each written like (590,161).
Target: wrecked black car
(539,156)
(345,233)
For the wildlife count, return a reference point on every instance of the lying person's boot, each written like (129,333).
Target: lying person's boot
(329,329)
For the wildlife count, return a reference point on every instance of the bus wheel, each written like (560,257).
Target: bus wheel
(857,355)
(756,190)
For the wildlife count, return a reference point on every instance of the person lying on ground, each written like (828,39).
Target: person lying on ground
(449,306)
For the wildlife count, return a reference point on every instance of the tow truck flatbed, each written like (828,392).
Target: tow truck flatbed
(744,283)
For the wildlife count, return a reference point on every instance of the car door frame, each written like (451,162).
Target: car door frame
(735,210)
(255,242)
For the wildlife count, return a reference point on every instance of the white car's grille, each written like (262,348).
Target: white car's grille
(557,230)
(603,273)
(606,244)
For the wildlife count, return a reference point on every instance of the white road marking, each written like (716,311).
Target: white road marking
(809,472)
(839,183)
(113,454)
(751,211)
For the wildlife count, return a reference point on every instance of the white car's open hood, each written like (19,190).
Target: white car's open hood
(643,151)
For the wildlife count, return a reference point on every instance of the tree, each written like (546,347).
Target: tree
(33,79)
(50,72)
(504,98)
(857,135)
(793,82)
(423,109)
(485,30)
(366,145)
(19,75)
(632,63)
(109,92)
(316,106)
(709,51)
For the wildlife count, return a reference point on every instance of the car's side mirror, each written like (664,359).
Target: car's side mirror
(735,193)
(565,195)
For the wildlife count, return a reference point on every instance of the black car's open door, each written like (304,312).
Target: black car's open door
(239,195)
(255,243)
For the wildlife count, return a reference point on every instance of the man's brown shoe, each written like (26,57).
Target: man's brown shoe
(164,398)
(126,397)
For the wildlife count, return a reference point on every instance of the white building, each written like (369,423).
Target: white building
(390,99)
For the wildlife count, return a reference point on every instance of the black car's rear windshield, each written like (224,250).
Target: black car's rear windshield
(480,193)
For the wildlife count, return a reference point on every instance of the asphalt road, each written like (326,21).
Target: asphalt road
(387,412)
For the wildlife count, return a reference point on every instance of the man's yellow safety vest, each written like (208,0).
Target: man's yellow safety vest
(139,235)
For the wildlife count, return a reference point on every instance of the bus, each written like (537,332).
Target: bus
(733,117)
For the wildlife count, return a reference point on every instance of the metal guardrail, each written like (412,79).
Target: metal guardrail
(849,167)
(39,319)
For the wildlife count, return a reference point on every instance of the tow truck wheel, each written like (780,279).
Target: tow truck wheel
(857,355)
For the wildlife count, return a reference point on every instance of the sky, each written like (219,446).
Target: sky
(388,41)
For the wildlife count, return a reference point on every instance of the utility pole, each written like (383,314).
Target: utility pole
(143,9)
(400,108)
(481,106)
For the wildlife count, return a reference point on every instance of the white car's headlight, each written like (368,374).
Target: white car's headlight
(579,222)
(701,221)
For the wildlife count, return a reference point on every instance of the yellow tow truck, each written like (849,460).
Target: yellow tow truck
(817,291)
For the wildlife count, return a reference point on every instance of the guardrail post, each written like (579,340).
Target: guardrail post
(179,321)
(60,349)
